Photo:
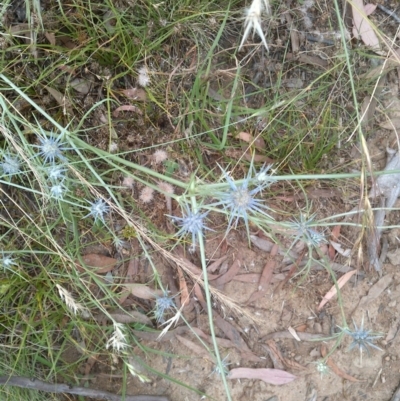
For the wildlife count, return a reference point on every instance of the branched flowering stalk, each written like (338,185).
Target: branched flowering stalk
(253,21)
(118,340)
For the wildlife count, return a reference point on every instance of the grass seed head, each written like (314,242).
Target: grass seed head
(69,300)
(118,340)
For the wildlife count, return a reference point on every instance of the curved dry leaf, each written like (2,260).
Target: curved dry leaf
(338,248)
(332,292)
(124,317)
(201,351)
(135,94)
(127,107)
(336,368)
(269,376)
(59,97)
(184,292)
(392,124)
(102,264)
(376,290)
(362,26)
(143,291)
(81,85)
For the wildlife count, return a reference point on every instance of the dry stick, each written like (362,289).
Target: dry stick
(34,384)
(389,12)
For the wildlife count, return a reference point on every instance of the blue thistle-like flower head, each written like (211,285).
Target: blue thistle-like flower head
(163,304)
(191,223)
(51,148)
(239,201)
(7,262)
(57,191)
(98,209)
(56,172)
(304,232)
(10,165)
(362,338)
(225,369)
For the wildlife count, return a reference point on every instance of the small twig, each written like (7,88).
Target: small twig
(389,12)
(34,384)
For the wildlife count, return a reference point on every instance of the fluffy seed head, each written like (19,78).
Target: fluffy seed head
(98,209)
(10,165)
(128,182)
(165,187)
(113,148)
(146,195)
(160,156)
(143,77)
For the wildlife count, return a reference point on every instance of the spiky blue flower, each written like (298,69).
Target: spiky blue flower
(240,202)
(305,232)
(51,148)
(7,262)
(98,209)
(191,223)
(362,338)
(56,172)
(57,191)
(225,369)
(10,165)
(263,176)
(163,304)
